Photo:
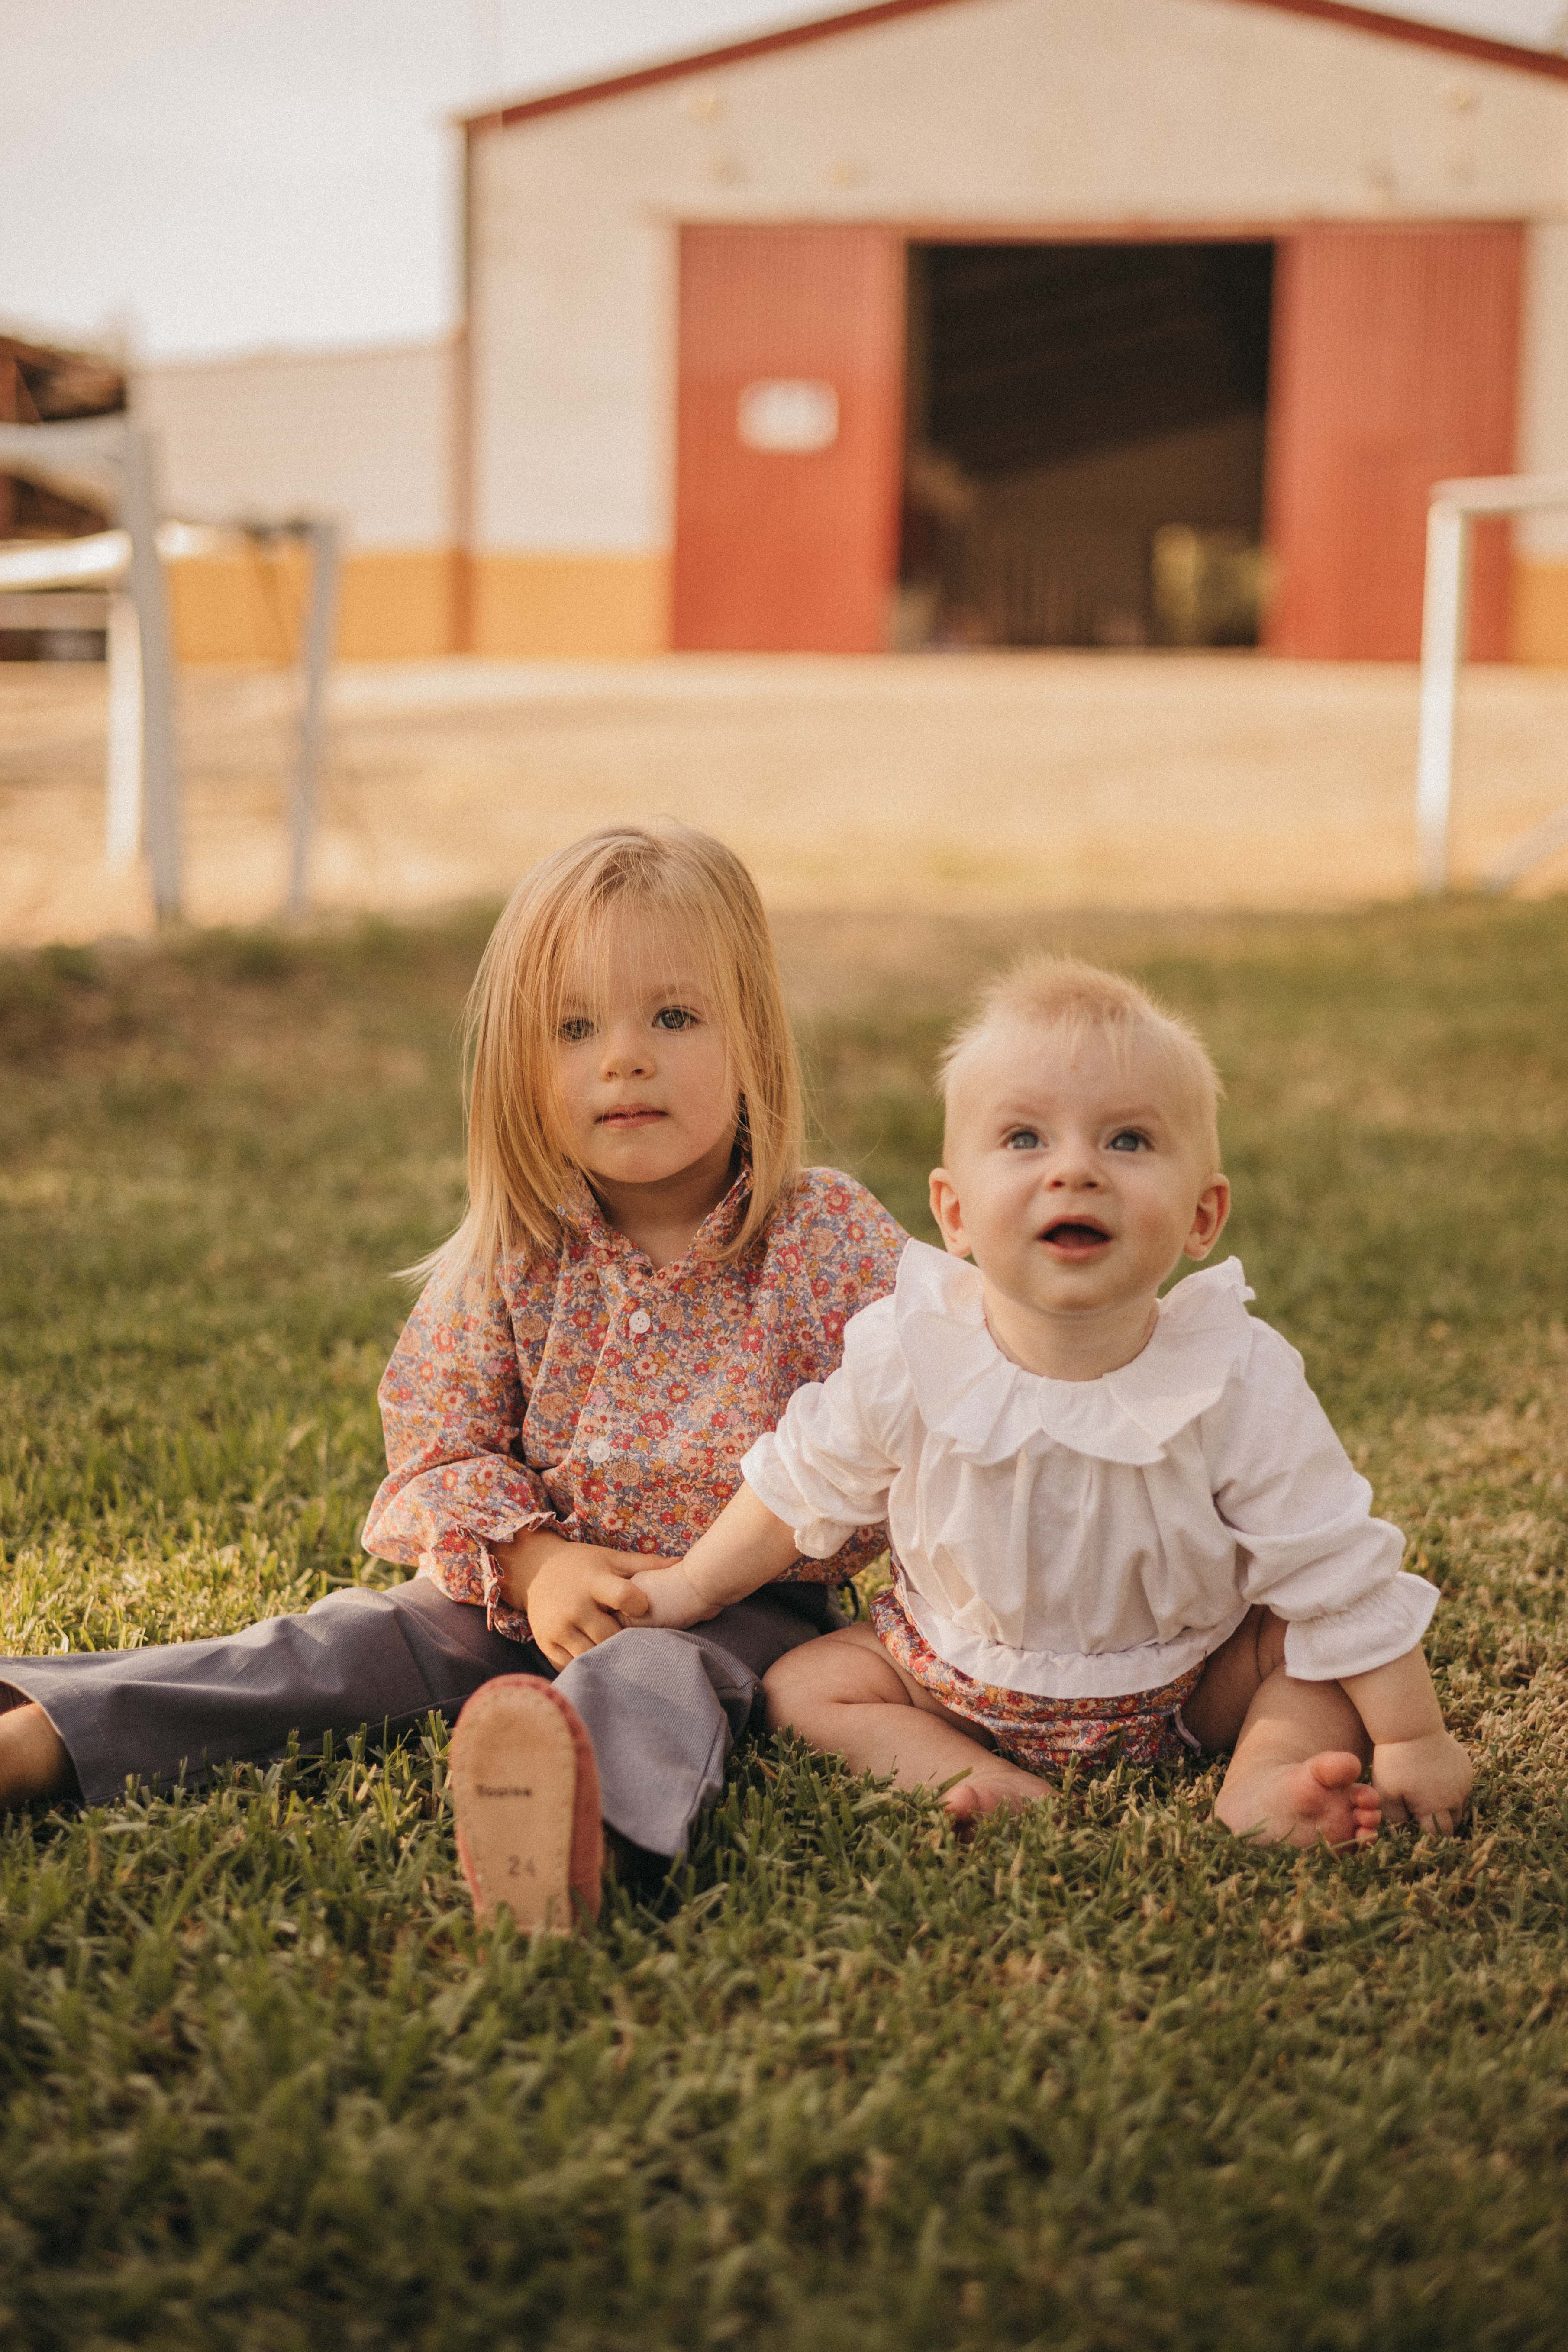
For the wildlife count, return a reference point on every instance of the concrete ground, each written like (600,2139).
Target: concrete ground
(954,783)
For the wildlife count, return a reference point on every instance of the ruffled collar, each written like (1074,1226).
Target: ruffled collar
(969,1392)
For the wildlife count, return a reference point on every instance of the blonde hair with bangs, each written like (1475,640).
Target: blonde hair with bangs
(561,914)
(1081,1001)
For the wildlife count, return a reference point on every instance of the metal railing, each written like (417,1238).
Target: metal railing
(1454,507)
(115,448)
(143,768)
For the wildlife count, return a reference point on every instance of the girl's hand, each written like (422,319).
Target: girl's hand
(576,1595)
(672,1599)
(1426,1781)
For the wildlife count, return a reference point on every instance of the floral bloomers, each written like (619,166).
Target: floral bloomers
(609,1401)
(1045,1735)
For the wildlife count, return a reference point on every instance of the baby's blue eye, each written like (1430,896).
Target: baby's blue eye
(1129,1139)
(573,1032)
(675,1016)
(1022,1139)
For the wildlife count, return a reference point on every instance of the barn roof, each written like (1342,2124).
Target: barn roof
(1376,21)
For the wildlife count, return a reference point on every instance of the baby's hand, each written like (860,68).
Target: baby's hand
(672,1599)
(1426,1781)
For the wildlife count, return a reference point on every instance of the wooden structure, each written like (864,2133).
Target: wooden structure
(41,384)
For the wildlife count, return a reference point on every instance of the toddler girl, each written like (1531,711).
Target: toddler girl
(643,1276)
(1119,1522)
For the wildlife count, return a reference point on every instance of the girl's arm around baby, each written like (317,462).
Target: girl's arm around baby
(745,1547)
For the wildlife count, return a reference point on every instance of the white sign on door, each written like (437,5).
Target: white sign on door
(787,413)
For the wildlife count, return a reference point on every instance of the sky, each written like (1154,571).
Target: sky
(191,177)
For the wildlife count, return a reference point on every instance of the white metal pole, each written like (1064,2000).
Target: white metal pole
(1442,650)
(320,629)
(160,756)
(123,797)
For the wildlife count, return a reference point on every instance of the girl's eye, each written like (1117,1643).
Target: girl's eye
(1022,1139)
(675,1016)
(571,1032)
(1129,1139)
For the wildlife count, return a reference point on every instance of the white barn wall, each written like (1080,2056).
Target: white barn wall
(574,390)
(364,435)
(986,114)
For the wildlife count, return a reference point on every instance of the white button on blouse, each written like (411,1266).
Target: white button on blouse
(1087,1538)
(640,1322)
(599,1449)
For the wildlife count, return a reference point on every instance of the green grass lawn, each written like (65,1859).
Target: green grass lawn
(1100,2079)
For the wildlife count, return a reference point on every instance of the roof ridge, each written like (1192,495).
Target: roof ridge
(1414,32)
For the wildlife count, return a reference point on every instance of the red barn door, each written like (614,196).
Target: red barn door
(790,440)
(1395,362)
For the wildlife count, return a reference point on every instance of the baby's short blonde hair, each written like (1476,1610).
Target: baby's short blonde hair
(1079,1001)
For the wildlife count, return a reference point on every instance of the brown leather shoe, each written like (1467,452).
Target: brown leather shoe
(525,1795)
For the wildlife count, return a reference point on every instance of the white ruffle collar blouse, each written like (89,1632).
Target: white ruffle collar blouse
(1088,1539)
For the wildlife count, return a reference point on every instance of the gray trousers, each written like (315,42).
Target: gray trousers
(662,1709)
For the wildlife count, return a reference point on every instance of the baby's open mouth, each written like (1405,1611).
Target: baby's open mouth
(1075,1234)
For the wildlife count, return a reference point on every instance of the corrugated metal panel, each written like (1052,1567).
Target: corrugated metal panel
(1395,363)
(788,548)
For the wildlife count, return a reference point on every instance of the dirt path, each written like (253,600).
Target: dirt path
(961,783)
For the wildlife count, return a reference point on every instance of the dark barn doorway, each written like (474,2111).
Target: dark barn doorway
(1084,444)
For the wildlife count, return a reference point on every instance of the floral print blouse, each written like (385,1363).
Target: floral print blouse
(609,1400)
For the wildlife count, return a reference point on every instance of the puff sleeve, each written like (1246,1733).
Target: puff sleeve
(451,1405)
(827,1467)
(1301,1514)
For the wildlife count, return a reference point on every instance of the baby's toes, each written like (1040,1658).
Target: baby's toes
(1328,1799)
(963,1802)
(1367,1809)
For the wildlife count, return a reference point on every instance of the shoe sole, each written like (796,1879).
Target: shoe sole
(525,1795)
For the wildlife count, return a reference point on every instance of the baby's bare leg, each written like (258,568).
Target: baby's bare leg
(33,1759)
(845,1695)
(1300,1748)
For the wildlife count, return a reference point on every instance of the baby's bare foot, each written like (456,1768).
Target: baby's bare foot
(988,1787)
(1325,1798)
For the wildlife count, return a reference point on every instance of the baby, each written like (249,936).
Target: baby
(1119,1523)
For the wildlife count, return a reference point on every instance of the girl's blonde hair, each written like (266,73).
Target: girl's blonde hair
(558,923)
(1080,1000)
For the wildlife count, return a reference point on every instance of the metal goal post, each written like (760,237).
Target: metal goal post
(113,445)
(127,564)
(1454,507)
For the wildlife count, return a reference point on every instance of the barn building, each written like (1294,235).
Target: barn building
(941,323)
(1016,322)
